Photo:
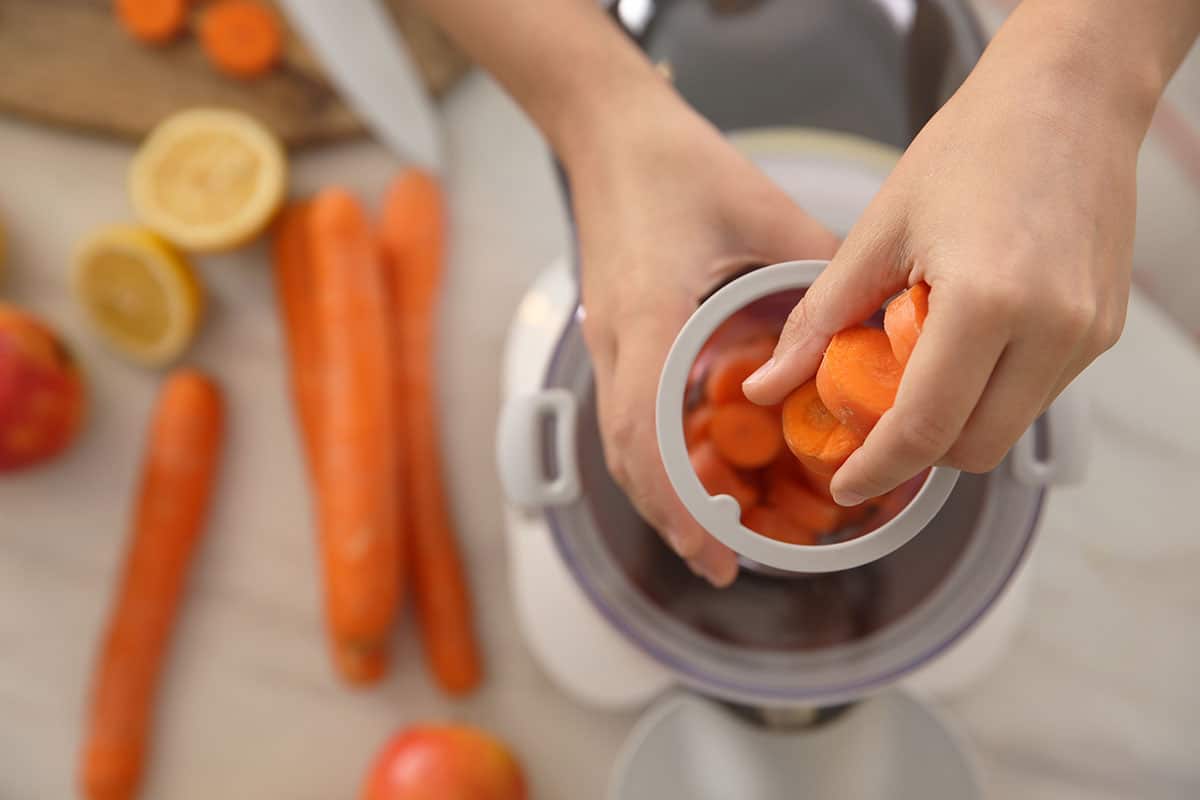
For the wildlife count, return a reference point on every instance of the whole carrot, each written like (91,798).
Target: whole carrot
(294,291)
(412,238)
(177,479)
(357,448)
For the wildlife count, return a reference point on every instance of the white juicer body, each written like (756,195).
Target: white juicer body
(834,177)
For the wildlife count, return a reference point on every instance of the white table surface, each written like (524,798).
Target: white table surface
(1097,699)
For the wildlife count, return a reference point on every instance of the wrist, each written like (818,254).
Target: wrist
(1089,59)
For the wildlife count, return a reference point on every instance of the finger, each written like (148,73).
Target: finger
(865,271)
(959,346)
(716,563)
(1024,377)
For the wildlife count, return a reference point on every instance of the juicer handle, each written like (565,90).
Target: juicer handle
(519,448)
(1065,461)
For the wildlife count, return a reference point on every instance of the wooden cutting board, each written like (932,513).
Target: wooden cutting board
(69,62)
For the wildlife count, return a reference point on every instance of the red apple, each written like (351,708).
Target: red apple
(444,762)
(41,392)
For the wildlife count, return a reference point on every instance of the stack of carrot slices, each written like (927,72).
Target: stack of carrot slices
(777,462)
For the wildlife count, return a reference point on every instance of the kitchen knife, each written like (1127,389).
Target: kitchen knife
(364,54)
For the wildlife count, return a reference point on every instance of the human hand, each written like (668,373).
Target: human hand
(1016,205)
(667,210)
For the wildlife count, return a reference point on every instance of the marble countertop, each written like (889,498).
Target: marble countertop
(1096,700)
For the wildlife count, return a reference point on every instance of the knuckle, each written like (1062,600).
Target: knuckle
(925,436)
(1071,319)
(977,458)
(1107,331)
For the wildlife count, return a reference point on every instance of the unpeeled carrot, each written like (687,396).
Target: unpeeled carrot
(696,424)
(176,486)
(858,377)
(152,21)
(730,369)
(803,506)
(356,449)
(718,477)
(746,435)
(242,38)
(904,318)
(773,524)
(412,236)
(813,434)
(294,292)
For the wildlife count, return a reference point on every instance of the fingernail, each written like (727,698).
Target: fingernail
(847,498)
(760,373)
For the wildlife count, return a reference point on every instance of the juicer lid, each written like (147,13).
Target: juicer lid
(891,746)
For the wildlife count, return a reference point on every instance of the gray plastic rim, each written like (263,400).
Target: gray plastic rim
(720,515)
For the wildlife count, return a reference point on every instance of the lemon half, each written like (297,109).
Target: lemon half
(138,293)
(208,179)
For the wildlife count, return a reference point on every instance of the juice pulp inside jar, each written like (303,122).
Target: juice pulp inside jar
(809,517)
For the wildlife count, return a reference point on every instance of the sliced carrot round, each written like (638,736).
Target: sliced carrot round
(804,506)
(904,319)
(746,435)
(858,377)
(730,369)
(718,477)
(771,523)
(241,38)
(814,435)
(696,425)
(152,21)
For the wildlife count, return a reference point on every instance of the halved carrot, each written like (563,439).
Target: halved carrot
(730,369)
(412,237)
(746,435)
(904,319)
(152,21)
(718,477)
(696,424)
(804,506)
(858,377)
(172,502)
(357,452)
(814,435)
(773,524)
(242,38)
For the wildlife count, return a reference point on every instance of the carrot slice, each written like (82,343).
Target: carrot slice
(242,38)
(358,450)
(176,486)
(746,435)
(152,21)
(730,369)
(804,506)
(718,477)
(904,319)
(858,377)
(412,237)
(773,524)
(696,425)
(814,435)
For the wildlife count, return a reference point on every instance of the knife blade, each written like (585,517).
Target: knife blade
(363,53)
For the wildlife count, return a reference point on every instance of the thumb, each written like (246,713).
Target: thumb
(865,271)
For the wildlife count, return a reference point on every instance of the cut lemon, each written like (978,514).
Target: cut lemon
(208,179)
(138,293)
